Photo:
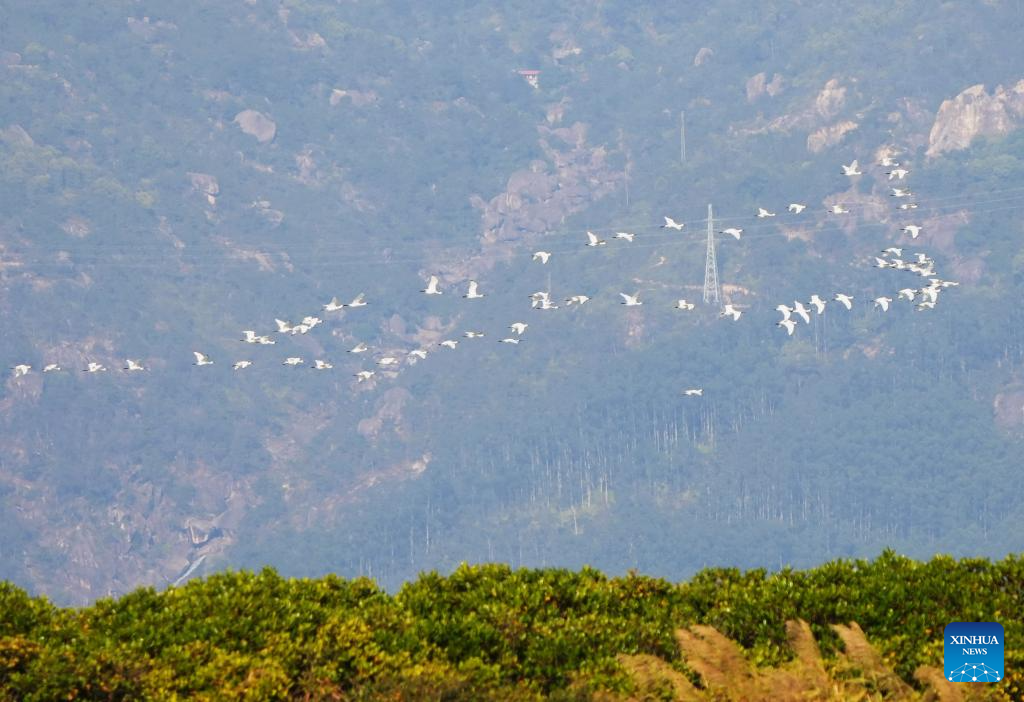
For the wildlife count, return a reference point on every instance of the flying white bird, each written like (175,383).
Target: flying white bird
(95,368)
(883,302)
(252,338)
(472,293)
(364,375)
(388,361)
(847,300)
(576,299)
(853,169)
(239,365)
(333,306)
(201,359)
(932,293)
(882,263)
(631,300)
(694,392)
(796,207)
(907,294)
(927,305)
(908,206)
(818,303)
(788,324)
(734,232)
(312,321)
(283,327)
(944,283)
(131,365)
(431,288)
(21,369)
(51,368)
(539,295)
(805,314)
(508,340)
(672,224)
(300,329)
(265,340)
(762,213)
(292,361)
(359,348)
(541,256)
(473,334)
(418,353)
(544,304)
(518,327)
(894,250)
(900,192)
(358,302)
(897,173)
(888,162)
(838,209)
(322,365)
(786,311)
(684,305)
(625,235)
(449,344)
(913,230)
(730,311)
(592,240)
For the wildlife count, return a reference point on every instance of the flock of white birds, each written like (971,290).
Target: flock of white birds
(891,257)
(793,314)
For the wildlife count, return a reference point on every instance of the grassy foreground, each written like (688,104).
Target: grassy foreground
(492,633)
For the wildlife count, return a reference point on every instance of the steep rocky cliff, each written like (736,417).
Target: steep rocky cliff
(975,113)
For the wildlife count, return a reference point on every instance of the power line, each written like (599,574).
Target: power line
(216,257)
(345,255)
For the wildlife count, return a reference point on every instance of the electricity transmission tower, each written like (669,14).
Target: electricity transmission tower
(711,266)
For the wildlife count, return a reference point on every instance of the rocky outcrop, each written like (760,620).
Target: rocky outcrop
(389,411)
(830,100)
(358,98)
(203,183)
(76,226)
(256,124)
(829,136)
(817,118)
(16,136)
(759,85)
(563,45)
(537,200)
(755,86)
(975,113)
(1008,407)
(206,185)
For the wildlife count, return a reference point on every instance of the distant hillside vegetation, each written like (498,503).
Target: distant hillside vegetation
(845,630)
(173,174)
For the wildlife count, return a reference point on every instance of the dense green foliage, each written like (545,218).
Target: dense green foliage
(483,632)
(403,140)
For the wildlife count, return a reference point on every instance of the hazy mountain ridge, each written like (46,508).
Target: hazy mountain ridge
(140,219)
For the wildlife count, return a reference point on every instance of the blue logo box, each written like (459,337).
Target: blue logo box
(973,652)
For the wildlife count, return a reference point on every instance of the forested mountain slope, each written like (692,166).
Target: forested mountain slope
(171,175)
